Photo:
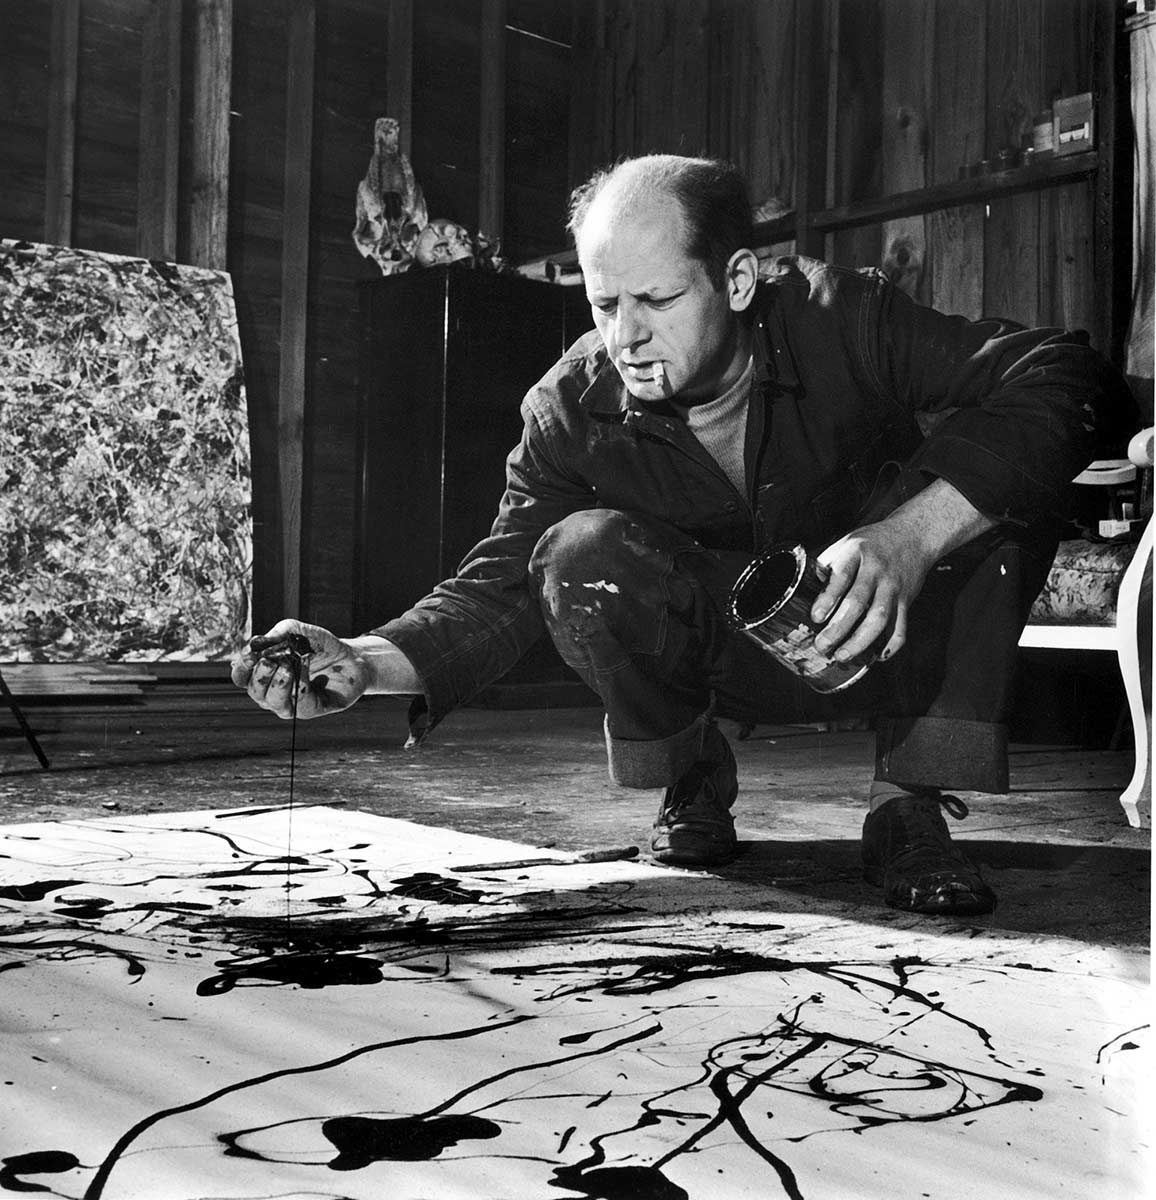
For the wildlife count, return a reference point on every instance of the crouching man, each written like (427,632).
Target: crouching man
(715,410)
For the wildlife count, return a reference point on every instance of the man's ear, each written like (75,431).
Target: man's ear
(741,278)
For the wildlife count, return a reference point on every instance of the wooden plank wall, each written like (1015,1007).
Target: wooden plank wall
(117,117)
(687,77)
(912,91)
(95,96)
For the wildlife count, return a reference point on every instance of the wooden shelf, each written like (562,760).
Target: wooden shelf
(978,189)
(975,190)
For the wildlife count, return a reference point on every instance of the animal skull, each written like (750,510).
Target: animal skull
(391,210)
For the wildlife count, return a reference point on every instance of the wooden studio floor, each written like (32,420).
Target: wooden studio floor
(183,963)
(1057,849)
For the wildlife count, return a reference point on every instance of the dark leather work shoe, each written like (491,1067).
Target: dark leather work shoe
(907,850)
(694,826)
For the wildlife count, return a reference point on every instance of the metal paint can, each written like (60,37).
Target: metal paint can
(771,603)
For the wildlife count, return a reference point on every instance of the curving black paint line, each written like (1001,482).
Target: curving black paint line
(1112,1042)
(617,1044)
(96,1188)
(133,965)
(665,972)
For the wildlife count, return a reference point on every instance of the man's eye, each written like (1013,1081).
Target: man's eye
(608,307)
(663,301)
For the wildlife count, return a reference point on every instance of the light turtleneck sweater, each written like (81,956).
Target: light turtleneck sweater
(721,425)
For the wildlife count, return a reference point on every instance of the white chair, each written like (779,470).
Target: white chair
(1123,627)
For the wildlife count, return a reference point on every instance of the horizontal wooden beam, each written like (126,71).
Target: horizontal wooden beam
(973,190)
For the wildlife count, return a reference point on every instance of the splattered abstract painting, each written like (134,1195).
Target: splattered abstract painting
(124,460)
(327,1004)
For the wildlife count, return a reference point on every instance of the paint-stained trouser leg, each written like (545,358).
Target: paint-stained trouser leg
(636,608)
(943,701)
(625,601)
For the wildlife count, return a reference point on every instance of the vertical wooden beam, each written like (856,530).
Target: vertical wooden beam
(907,53)
(1112,243)
(212,86)
(831,134)
(771,105)
(160,131)
(656,132)
(623,36)
(1011,238)
(1067,286)
(689,55)
(855,127)
(955,235)
(591,133)
(299,87)
(399,70)
(1139,347)
(810,184)
(719,84)
(60,148)
(492,120)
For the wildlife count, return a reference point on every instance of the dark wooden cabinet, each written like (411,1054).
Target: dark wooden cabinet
(446,355)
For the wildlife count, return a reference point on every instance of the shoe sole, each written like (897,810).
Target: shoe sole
(680,858)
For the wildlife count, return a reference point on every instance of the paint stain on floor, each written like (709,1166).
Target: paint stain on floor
(264,1004)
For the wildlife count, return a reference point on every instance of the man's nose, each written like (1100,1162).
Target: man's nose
(630,329)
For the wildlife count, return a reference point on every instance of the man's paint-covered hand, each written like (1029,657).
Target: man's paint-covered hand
(323,672)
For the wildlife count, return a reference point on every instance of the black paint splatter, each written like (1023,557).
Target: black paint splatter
(39,1162)
(619,1183)
(36,890)
(360,1141)
(441,889)
(318,969)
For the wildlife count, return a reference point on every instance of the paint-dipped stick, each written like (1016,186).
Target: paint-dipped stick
(615,854)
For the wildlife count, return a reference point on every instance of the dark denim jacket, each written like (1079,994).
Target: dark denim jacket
(848,373)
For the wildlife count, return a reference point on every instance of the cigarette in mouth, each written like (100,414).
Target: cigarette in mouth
(656,374)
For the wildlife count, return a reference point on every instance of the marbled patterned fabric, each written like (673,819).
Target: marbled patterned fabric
(1082,584)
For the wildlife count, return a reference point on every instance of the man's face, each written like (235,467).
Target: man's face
(655,306)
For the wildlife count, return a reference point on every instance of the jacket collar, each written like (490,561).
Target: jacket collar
(775,366)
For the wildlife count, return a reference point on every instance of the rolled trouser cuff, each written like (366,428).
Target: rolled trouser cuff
(658,763)
(942,752)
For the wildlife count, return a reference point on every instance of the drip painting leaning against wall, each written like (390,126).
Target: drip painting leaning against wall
(125,518)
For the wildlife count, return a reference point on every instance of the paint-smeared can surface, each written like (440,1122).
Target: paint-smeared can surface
(771,603)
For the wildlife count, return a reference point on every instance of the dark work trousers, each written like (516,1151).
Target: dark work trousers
(637,608)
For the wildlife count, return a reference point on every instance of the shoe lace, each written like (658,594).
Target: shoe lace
(697,788)
(921,832)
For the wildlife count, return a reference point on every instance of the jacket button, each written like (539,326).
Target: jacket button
(731,506)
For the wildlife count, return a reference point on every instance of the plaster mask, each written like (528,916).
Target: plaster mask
(443,241)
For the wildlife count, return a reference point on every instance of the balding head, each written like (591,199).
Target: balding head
(711,194)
